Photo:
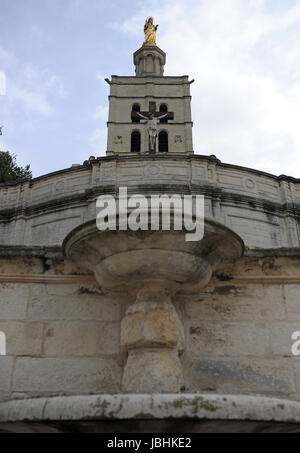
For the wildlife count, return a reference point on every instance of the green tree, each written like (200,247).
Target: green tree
(10,171)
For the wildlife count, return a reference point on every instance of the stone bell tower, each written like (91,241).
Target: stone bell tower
(135,100)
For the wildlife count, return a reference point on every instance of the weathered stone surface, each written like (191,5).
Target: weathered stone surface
(13,301)
(6,367)
(145,66)
(23,338)
(229,339)
(230,303)
(229,313)
(281,338)
(78,307)
(243,375)
(64,376)
(296,365)
(81,339)
(292,294)
(150,324)
(46,290)
(152,371)
(156,407)
(20,265)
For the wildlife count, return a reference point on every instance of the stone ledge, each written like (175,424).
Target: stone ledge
(274,253)
(55,252)
(141,407)
(10,251)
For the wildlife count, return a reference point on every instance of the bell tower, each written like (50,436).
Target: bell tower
(149,113)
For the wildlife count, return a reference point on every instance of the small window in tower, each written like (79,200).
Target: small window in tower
(163,109)
(136,108)
(163,142)
(136,142)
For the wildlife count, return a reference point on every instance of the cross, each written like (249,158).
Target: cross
(152,117)
(153,112)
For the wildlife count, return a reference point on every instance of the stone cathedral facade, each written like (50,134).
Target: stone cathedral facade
(137,326)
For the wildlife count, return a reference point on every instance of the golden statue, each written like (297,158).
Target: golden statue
(150,32)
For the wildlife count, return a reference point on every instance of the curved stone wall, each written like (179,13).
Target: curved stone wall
(263,209)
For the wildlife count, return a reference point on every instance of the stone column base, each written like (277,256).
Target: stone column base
(152,334)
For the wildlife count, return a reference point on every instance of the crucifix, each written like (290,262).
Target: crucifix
(152,117)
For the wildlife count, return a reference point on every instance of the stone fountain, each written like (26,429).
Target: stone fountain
(153,266)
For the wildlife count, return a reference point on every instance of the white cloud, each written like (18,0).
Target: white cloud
(101,113)
(32,101)
(98,141)
(6,57)
(245,57)
(29,90)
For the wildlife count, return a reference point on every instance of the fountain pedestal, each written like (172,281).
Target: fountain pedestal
(153,336)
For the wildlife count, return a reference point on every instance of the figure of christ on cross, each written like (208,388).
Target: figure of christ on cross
(152,117)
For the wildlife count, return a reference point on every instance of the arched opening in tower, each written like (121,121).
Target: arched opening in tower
(136,142)
(163,142)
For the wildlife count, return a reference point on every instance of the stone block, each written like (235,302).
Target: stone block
(74,307)
(296,365)
(263,307)
(46,376)
(281,337)
(13,301)
(151,325)
(153,371)
(14,264)
(23,338)
(292,295)
(81,339)
(228,339)
(6,368)
(237,375)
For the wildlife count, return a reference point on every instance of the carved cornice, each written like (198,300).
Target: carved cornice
(207,189)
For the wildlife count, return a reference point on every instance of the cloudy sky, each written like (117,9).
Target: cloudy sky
(243,54)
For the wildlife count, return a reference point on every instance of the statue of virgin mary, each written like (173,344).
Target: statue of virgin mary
(150,32)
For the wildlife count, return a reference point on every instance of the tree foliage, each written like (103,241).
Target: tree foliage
(10,171)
